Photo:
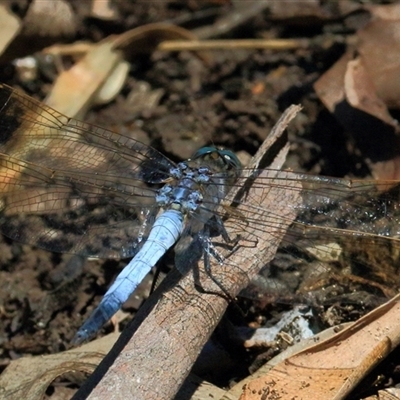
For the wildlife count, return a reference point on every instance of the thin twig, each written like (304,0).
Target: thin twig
(231,44)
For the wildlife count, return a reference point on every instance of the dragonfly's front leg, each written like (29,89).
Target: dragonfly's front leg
(210,250)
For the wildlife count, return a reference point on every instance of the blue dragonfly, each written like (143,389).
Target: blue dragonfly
(71,187)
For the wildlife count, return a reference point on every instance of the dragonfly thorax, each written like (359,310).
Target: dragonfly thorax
(193,178)
(179,197)
(185,193)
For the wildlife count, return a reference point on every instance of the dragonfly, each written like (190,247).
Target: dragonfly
(71,187)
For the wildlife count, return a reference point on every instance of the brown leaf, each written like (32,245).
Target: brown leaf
(360,92)
(45,22)
(100,65)
(379,49)
(49,18)
(10,26)
(361,87)
(29,377)
(331,369)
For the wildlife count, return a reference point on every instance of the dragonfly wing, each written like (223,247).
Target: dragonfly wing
(330,214)
(72,187)
(332,206)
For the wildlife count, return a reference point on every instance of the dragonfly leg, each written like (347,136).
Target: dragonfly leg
(210,250)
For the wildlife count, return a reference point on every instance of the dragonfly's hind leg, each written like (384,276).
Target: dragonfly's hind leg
(209,249)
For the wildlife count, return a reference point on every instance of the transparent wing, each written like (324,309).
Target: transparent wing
(340,216)
(71,187)
(332,206)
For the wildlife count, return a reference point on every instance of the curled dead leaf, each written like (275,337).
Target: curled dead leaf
(362,86)
(29,377)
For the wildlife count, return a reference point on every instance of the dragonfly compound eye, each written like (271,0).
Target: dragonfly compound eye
(230,159)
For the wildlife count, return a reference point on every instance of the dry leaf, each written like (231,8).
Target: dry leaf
(77,89)
(101,73)
(10,26)
(45,22)
(103,9)
(145,38)
(28,378)
(379,49)
(361,87)
(331,369)
(49,19)
(361,93)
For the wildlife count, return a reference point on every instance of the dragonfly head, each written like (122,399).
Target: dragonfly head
(229,159)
